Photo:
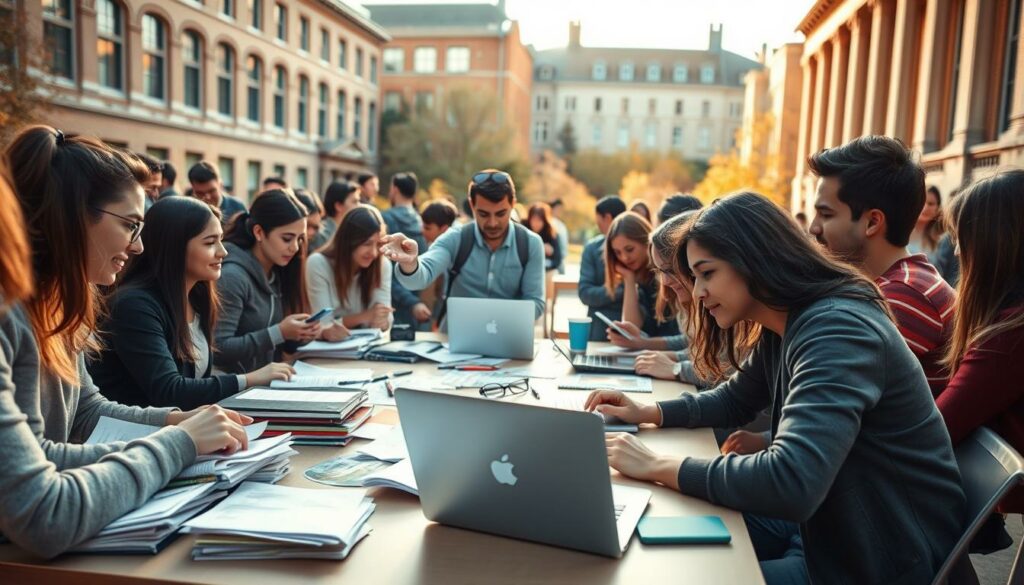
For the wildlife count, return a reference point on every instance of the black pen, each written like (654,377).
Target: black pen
(391,375)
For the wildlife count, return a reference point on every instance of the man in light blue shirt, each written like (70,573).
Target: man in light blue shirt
(493,268)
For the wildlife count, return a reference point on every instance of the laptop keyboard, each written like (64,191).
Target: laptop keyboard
(597,360)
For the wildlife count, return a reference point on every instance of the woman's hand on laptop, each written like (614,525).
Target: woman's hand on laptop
(656,364)
(401,250)
(629,456)
(615,403)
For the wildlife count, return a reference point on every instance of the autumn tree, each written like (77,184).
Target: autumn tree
(756,172)
(452,141)
(549,180)
(22,67)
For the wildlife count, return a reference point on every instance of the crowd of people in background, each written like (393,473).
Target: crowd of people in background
(124,297)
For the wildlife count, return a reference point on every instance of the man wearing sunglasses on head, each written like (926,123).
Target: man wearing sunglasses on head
(490,257)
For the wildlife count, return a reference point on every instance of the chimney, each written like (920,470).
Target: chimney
(574,34)
(715,38)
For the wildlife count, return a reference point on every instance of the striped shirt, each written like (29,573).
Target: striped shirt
(923,305)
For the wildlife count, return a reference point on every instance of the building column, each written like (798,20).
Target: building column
(879,60)
(902,84)
(976,59)
(931,80)
(803,139)
(860,43)
(837,89)
(86,60)
(821,97)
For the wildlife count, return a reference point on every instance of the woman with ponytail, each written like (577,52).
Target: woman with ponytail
(159,333)
(263,285)
(82,205)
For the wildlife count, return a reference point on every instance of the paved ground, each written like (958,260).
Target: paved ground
(994,569)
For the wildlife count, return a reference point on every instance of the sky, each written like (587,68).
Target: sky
(660,24)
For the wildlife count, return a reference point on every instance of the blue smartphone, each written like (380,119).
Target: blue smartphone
(683,530)
(319,315)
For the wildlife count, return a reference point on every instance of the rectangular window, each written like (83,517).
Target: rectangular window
(654,73)
(254,175)
(677,137)
(625,105)
(357,122)
(226,167)
(622,141)
(599,71)
(596,134)
(392,101)
(359,62)
(110,44)
(626,72)
(342,54)
(154,56)
(597,105)
(321,111)
(394,60)
(58,31)
(652,106)
(705,109)
(254,101)
(704,138)
(304,33)
(256,14)
(424,60)
(325,45)
(225,80)
(281,21)
(158,153)
(191,55)
(303,125)
(227,8)
(651,135)
(680,74)
(1009,77)
(302,177)
(707,74)
(371,127)
(279,171)
(373,69)
(457,59)
(339,130)
(192,159)
(570,104)
(679,107)
(279,97)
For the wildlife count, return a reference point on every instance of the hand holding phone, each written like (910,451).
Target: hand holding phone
(319,315)
(614,327)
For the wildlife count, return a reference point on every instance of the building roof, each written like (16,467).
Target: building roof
(439,19)
(816,14)
(359,17)
(576,64)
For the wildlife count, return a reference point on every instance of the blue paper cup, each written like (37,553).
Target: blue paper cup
(579,334)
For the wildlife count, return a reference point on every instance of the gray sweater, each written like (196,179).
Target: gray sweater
(47,510)
(247,331)
(860,455)
(59,413)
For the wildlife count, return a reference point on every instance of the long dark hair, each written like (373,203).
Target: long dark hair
(61,180)
(988,222)
(358,226)
(543,211)
(170,224)
(273,209)
(664,240)
(782,268)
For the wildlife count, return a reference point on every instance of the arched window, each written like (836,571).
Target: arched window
(254,100)
(110,44)
(280,85)
(154,57)
(339,130)
(303,105)
(225,79)
(192,60)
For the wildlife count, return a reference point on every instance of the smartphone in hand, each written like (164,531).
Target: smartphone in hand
(614,327)
(319,315)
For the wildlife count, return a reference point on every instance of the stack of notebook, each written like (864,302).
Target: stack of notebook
(317,416)
(351,348)
(262,521)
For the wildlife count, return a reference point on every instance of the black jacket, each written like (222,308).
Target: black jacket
(137,365)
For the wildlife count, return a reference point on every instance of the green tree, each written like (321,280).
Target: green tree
(453,141)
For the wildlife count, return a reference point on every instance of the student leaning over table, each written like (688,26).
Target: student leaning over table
(54,496)
(493,268)
(158,333)
(859,455)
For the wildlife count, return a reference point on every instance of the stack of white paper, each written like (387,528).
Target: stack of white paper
(269,458)
(398,476)
(151,527)
(260,521)
(353,347)
(389,447)
(310,376)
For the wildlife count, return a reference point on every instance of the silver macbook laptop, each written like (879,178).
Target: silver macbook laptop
(499,328)
(518,470)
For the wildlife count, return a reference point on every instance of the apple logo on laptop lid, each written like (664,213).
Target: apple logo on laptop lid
(492,327)
(502,471)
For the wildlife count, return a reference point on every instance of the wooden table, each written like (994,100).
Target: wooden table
(405,548)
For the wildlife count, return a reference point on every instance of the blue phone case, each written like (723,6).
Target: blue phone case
(319,315)
(683,530)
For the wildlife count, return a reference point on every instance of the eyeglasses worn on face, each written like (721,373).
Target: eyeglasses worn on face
(134,225)
(500,177)
(496,390)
